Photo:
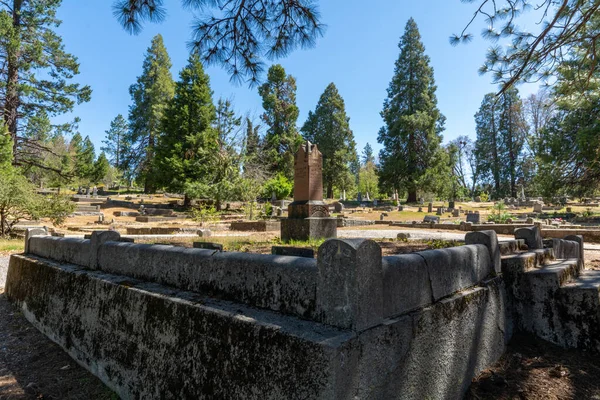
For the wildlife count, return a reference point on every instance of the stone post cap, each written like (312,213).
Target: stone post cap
(30,232)
(350,284)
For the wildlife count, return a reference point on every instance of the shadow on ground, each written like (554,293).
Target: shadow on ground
(534,369)
(33,367)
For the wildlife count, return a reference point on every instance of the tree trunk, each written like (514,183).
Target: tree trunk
(11,104)
(187,202)
(330,191)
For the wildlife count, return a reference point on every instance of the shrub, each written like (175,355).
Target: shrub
(499,214)
(280,185)
(19,200)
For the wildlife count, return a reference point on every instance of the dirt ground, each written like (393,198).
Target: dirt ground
(534,370)
(33,367)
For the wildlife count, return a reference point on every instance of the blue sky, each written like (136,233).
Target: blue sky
(357,53)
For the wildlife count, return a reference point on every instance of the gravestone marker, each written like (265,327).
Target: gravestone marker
(308,215)
(430,207)
(474,218)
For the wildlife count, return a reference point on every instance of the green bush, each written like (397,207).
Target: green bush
(280,185)
(484,196)
(499,214)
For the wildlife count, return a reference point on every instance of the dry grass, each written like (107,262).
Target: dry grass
(9,246)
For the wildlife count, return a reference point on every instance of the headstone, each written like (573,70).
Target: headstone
(403,236)
(538,208)
(439,211)
(569,210)
(204,232)
(339,207)
(451,205)
(344,195)
(420,209)
(529,221)
(308,216)
(474,218)
(531,235)
(430,207)
(95,191)
(401,208)
(431,219)
(456,213)
(477,199)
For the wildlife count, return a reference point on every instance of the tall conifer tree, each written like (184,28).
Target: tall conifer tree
(187,149)
(329,127)
(36,74)
(115,144)
(280,116)
(151,95)
(413,124)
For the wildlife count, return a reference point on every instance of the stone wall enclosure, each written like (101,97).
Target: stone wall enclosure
(156,321)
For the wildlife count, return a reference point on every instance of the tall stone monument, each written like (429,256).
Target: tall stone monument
(308,216)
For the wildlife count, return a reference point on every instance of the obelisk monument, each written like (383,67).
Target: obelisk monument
(308,216)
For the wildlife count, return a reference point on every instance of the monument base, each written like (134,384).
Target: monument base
(308,228)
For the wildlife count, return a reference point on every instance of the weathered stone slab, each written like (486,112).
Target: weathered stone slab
(490,240)
(406,284)
(67,250)
(578,239)
(31,232)
(97,240)
(474,218)
(431,219)
(145,218)
(349,285)
(531,235)
(457,268)
(308,228)
(284,284)
(257,226)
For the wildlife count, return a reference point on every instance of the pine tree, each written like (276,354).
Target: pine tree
(281,113)
(116,145)
(252,139)
(487,146)
(83,155)
(367,155)
(329,128)
(37,73)
(187,149)
(501,132)
(151,95)
(513,131)
(413,124)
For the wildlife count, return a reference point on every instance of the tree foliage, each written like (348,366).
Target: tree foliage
(19,200)
(329,127)
(241,34)
(566,27)
(188,150)
(501,136)
(151,95)
(115,144)
(36,75)
(412,133)
(281,113)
